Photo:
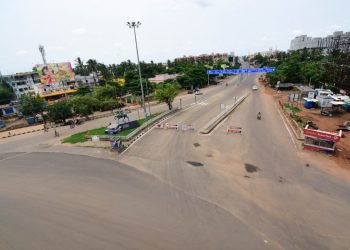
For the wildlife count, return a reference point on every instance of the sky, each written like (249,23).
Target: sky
(170,28)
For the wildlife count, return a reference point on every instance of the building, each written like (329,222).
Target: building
(22,83)
(214,57)
(90,80)
(327,43)
(162,78)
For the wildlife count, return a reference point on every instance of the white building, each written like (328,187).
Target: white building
(327,43)
(91,79)
(23,82)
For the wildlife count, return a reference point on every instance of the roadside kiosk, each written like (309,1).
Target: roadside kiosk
(321,141)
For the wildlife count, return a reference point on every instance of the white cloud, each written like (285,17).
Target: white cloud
(21,52)
(56,48)
(202,3)
(335,27)
(117,44)
(79,31)
(264,39)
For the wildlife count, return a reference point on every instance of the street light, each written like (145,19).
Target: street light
(134,25)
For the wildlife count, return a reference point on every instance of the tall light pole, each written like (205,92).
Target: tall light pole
(134,25)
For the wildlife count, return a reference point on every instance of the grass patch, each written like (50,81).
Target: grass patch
(294,114)
(81,137)
(292,108)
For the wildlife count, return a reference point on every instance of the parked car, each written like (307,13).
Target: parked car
(190,91)
(255,87)
(198,92)
(113,129)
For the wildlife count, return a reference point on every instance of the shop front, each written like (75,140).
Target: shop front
(321,141)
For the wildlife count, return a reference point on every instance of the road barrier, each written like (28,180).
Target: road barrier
(233,129)
(171,126)
(188,127)
(159,126)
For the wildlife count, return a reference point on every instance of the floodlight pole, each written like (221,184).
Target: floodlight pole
(135,25)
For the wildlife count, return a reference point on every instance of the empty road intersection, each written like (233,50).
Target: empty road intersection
(178,189)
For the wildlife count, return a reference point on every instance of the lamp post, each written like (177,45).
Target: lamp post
(134,25)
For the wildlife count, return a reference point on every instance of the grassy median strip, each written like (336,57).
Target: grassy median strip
(82,136)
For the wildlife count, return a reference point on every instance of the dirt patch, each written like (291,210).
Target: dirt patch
(196,144)
(326,123)
(250,168)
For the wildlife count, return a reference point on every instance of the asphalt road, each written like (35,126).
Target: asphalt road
(62,201)
(260,176)
(177,190)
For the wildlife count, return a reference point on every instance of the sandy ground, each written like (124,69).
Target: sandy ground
(341,159)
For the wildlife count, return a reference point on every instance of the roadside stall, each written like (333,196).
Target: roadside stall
(322,141)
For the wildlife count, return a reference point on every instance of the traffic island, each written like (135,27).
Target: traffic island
(127,136)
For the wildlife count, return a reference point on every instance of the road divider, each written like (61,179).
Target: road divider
(217,119)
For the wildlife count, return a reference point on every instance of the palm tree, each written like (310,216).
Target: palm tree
(80,68)
(91,65)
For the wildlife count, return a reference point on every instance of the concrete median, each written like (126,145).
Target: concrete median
(217,119)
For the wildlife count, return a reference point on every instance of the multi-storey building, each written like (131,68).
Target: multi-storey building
(327,43)
(23,82)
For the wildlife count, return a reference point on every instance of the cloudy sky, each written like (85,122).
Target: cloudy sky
(170,28)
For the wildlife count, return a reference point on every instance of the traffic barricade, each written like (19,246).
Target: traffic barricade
(234,129)
(159,126)
(171,126)
(188,127)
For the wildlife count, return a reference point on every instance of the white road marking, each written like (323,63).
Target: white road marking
(285,124)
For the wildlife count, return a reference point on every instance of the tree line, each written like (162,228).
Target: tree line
(309,66)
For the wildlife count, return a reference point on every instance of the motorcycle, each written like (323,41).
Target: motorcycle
(258,116)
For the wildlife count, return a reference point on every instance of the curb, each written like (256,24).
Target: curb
(22,133)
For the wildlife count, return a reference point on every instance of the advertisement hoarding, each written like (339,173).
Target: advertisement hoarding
(322,135)
(55,72)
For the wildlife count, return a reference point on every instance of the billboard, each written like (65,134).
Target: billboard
(55,72)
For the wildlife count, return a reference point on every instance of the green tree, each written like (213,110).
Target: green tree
(166,92)
(6,92)
(59,111)
(237,64)
(80,67)
(104,92)
(31,105)
(83,90)
(91,66)
(84,105)
(108,104)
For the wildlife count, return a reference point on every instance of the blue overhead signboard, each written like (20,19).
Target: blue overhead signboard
(239,71)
